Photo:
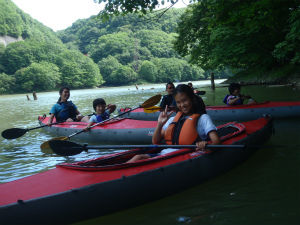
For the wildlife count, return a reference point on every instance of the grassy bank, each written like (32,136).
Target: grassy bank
(284,75)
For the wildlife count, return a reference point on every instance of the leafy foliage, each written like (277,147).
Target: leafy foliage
(7,83)
(41,61)
(148,71)
(123,74)
(78,70)
(107,66)
(244,35)
(38,76)
(125,49)
(128,41)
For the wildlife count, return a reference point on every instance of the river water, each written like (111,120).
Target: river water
(263,190)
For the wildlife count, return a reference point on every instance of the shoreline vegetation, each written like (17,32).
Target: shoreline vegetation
(280,76)
(288,75)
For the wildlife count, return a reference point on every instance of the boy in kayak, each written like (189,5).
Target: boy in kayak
(235,97)
(191,125)
(168,100)
(65,110)
(103,112)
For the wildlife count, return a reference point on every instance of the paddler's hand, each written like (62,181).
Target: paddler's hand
(164,116)
(86,129)
(201,145)
(79,116)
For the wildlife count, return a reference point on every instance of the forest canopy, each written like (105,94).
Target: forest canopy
(41,61)
(240,34)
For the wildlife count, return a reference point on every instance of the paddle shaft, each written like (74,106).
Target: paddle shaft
(52,123)
(45,125)
(84,147)
(79,132)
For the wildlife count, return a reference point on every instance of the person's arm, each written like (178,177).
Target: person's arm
(111,108)
(49,124)
(88,126)
(231,101)
(159,133)
(214,137)
(79,116)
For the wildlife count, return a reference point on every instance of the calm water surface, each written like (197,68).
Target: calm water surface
(263,190)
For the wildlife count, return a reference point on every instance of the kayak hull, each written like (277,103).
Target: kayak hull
(67,195)
(241,113)
(119,131)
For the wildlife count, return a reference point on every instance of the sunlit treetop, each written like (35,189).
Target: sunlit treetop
(122,7)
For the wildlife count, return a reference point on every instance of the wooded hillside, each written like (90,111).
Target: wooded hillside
(123,50)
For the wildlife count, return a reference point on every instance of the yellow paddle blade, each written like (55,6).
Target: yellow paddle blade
(151,101)
(46,145)
(152,109)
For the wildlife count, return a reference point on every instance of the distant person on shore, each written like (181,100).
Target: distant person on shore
(168,100)
(65,110)
(102,110)
(235,97)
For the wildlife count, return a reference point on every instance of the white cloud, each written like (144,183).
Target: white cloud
(60,14)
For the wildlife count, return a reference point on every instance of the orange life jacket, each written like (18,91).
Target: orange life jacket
(188,132)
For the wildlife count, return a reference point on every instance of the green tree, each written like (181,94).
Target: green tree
(242,35)
(107,66)
(112,44)
(7,83)
(148,71)
(21,54)
(123,75)
(170,69)
(38,76)
(78,70)
(120,7)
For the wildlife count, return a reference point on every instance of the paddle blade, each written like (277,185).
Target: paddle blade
(46,145)
(13,133)
(151,101)
(65,148)
(152,109)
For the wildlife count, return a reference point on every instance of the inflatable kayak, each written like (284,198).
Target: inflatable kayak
(74,192)
(229,113)
(120,130)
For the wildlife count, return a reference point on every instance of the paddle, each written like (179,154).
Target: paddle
(152,109)
(68,148)
(150,102)
(13,133)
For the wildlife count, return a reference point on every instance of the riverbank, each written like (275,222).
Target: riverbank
(289,75)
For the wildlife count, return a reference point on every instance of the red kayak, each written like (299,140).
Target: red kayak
(117,131)
(74,192)
(229,113)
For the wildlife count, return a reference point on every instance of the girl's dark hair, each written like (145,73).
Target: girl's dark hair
(98,101)
(233,86)
(198,104)
(61,91)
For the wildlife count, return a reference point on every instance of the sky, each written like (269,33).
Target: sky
(60,14)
